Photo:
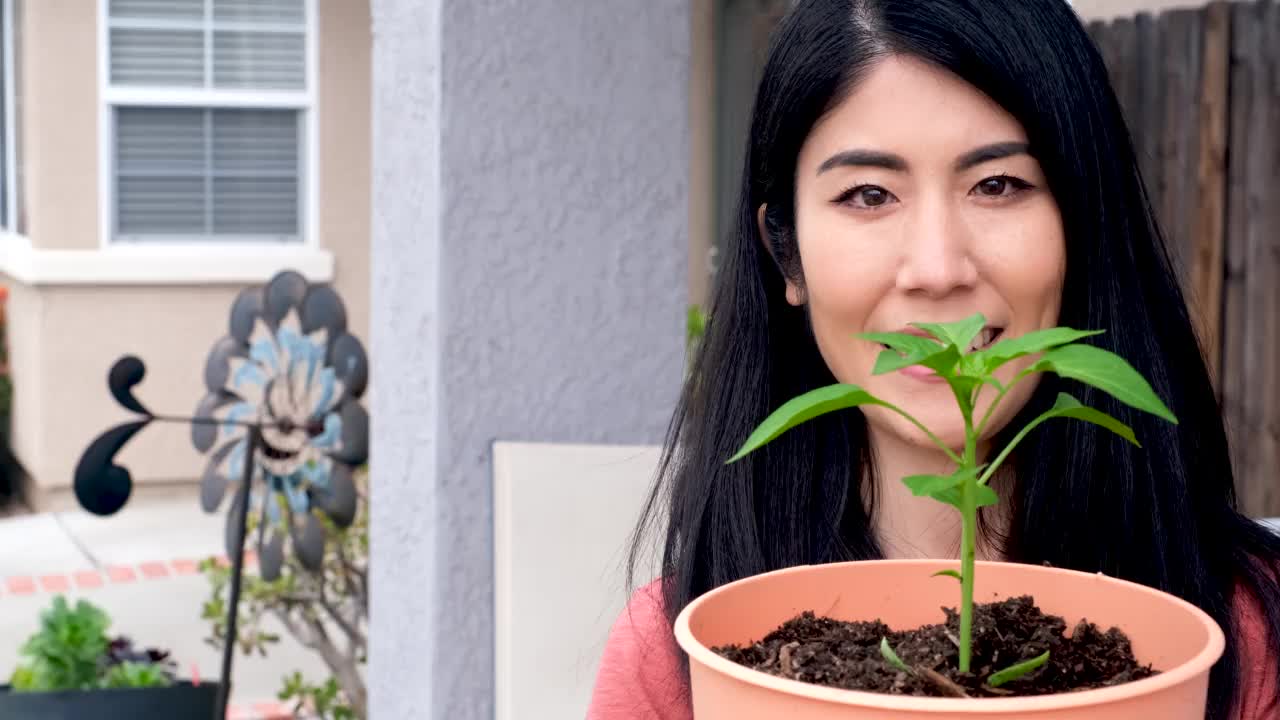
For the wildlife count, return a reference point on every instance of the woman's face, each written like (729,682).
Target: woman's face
(916,201)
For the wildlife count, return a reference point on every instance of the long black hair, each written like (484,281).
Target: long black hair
(1164,515)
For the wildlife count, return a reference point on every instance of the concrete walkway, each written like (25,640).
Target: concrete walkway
(139,566)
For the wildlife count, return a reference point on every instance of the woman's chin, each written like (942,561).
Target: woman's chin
(948,430)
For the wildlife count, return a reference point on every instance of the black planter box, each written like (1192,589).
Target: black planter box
(182,701)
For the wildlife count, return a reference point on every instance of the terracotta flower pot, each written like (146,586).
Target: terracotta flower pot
(1178,639)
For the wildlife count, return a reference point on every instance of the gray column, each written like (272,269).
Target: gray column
(530,247)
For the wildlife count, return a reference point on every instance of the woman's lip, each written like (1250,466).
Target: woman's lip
(923,374)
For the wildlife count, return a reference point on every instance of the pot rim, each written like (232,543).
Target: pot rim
(1201,663)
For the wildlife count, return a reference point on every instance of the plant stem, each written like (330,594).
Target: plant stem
(968,541)
(934,438)
(982,426)
(991,469)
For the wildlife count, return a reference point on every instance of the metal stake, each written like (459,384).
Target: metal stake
(254,437)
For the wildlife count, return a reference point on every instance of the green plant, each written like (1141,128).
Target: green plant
(326,611)
(135,675)
(64,654)
(694,328)
(967,372)
(71,651)
(323,701)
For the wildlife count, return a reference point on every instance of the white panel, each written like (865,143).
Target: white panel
(190,10)
(161,173)
(563,515)
(164,57)
(255,162)
(260,60)
(194,172)
(271,11)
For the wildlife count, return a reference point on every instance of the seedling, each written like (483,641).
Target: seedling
(948,352)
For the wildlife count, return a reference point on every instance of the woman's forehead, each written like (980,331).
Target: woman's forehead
(913,109)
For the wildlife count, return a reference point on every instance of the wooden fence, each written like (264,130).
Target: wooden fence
(1201,92)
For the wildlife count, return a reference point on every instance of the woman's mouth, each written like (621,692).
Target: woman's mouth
(983,340)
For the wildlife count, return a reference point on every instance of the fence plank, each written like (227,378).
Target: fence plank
(1263,490)
(1244,43)
(1206,266)
(1201,93)
(1251,388)
(1124,39)
(1148,132)
(1182,86)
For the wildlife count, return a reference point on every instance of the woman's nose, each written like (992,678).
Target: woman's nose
(936,254)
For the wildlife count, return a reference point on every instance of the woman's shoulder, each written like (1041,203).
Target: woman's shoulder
(1259,659)
(640,675)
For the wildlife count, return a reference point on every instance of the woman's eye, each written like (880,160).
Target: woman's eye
(866,197)
(1000,186)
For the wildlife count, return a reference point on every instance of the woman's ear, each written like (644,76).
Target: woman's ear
(795,295)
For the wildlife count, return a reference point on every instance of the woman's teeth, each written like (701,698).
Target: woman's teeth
(985,338)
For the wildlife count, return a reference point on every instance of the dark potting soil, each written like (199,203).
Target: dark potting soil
(847,655)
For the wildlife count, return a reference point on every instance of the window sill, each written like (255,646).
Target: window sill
(169,264)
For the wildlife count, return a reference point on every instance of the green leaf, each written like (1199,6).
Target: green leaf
(893,658)
(972,365)
(957,334)
(963,388)
(1107,372)
(890,360)
(930,485)
(946,488)
(943,362)
(904,343)
(1069,407)
(949,573)
(1016,671)
(922,485)
(695,324)
(804,408)
(1007,349)
(985,496)
(135,675)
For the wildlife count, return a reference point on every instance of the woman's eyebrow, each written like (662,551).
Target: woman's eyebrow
(890,161)
(987,153)
(864,158)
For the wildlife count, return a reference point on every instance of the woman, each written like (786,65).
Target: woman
(922,160)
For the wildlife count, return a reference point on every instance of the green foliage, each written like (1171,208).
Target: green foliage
(695,325)
(892,657)
(64,654)
(967,373)
(695,328)
(1014,672)
(136,675)
(326,611)
(321,701)
(71,651)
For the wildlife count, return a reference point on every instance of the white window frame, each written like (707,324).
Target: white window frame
(308,242)
(10,199)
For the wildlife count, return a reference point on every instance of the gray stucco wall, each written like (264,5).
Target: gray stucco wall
(529,283)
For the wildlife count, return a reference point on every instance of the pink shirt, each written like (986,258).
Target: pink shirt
(640,678)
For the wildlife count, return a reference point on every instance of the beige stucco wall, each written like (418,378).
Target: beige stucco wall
(702,128)
(64,339)
(60,120)
(346,45)
(1107,9)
